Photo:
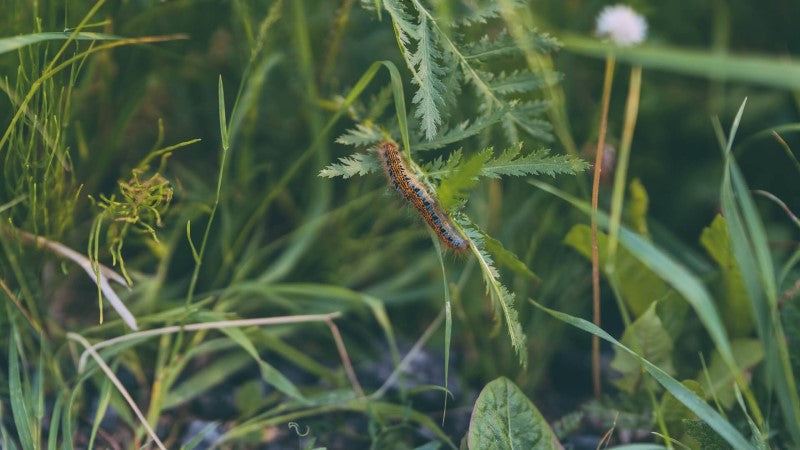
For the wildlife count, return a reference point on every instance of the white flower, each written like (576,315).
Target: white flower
(622,25)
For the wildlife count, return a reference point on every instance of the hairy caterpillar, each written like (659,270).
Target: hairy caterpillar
(417,194)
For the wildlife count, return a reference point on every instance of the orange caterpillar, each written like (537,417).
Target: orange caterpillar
(415,192)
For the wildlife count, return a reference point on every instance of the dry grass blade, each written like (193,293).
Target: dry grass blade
(103,277)
(124,392)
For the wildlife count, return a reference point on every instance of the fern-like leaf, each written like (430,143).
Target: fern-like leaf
(348,166)
(463,131)
(539,162)
(505,45)
(361,136)
(519,81)
(426,63)
(453,189)
(429,96)
(502,299)
(488,10)
(511,163)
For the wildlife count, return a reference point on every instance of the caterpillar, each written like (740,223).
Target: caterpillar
(417,194)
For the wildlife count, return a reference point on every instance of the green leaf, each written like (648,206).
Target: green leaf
(348,166)
(681,393)
(502,300)
(719,382)
(735,303)
(703,437)
(463,131)
(504,418)
(425,64)
(540,162)
(362,135)
(637,284)
(504,45)
(751,248)
(213,375)
(651,341)
(268,373)
(454,188)
(668,269)
(20,407)
(507,258)
(519,81)
(674,412)
(223,121)
(8,44)
(637,207)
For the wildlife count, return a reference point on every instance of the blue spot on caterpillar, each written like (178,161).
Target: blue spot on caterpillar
(417,194)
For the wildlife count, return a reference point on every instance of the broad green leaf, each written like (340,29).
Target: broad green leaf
(748,353)
(637,284)
(637,206)
(8,44)
(669,270)
(735,304)
(504,418)
(781,73)
(650,340)
(705,412)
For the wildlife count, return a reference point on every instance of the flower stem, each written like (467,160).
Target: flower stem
(598,168)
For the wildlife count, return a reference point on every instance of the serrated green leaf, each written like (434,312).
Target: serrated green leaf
(503,301)
(539,162)
(349,166)
(504,418)
(735,303)
(463,131)
(361,136)
(452,189)
(651,341)
(504,45)
(425,63)
(519,81)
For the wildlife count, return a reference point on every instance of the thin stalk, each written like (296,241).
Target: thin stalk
(618,195)
(598,167)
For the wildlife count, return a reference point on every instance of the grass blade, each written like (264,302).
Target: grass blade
(751,249)
(20,409)
(720,66)
(9,44)
(684,395)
